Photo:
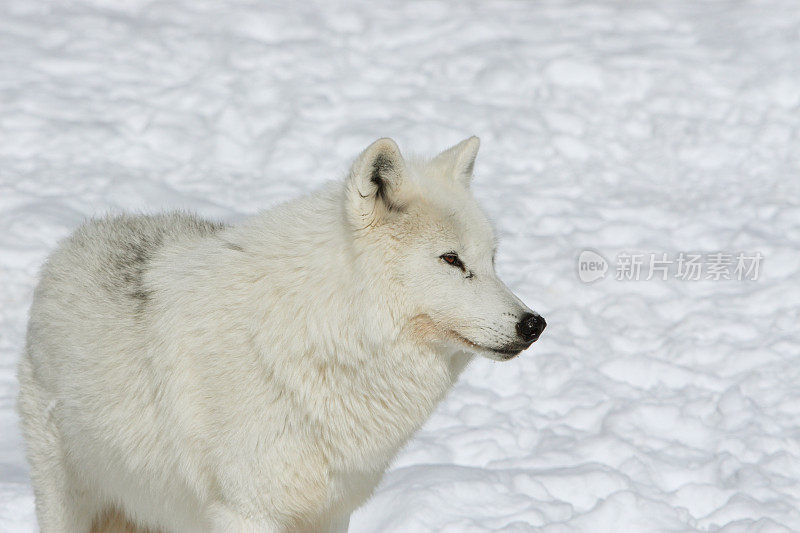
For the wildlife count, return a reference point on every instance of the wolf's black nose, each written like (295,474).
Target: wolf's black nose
(530,327)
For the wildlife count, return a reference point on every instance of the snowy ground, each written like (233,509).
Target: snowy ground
(652,127)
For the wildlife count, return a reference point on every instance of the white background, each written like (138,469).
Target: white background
(651,126)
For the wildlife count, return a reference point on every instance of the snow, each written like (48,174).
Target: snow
(657,127)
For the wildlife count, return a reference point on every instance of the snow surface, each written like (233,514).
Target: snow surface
(616,126)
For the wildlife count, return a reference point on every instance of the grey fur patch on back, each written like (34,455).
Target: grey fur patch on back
(130,262)
(135,240)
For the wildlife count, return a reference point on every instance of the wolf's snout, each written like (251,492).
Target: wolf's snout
(530,327)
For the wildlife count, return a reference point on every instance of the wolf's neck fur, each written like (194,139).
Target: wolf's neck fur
(331,337)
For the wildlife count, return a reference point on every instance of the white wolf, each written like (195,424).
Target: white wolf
(192,376)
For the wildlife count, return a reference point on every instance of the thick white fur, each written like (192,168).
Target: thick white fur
(259,377)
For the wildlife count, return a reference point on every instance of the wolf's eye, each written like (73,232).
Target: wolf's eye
(451,258)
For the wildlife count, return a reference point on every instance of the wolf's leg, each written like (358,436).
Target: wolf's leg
(339,525)
(222,519)
(113,521)
(61,506)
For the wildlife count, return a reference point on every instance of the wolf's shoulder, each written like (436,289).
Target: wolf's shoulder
(142,228)
(129,237)
(110,254)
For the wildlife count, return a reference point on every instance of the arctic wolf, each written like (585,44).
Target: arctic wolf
(185,375)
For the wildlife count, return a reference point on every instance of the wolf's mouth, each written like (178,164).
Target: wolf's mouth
(507,353)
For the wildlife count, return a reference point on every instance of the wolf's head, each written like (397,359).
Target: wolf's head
(416,222)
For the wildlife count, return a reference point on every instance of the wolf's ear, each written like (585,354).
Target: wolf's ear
(373,186)
(459,160)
